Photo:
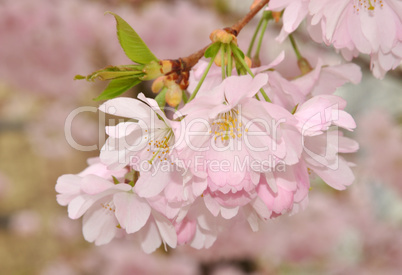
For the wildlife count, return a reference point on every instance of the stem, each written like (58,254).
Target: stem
(230,64)
(294,46)
(223,60)
(250,48)
(202,79)
(264,28)
(184,97)
(188,62)
(236,28)
(244,64)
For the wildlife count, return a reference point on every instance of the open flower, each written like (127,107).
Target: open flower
(351,26)
(147,136)
(108,208)
(231,137)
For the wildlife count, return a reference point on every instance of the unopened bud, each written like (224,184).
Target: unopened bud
(218,59)
(173,95)
(152,70)
(184,80)
(222,36)
(158,84)
(304,66)
(248,61)
(256,62)
(167,66)
(276,15)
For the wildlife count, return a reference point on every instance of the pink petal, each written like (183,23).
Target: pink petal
(166,229)
(132,212)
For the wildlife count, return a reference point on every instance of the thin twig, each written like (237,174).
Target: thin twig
(236,28)
(188,62)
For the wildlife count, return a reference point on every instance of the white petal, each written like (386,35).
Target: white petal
(166,229)
(132,212)
(99,225)
(127,107)
(149,237)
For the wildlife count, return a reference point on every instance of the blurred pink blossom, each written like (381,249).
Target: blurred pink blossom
(25,223)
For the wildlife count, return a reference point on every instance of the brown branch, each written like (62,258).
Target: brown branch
(188,62)
(236,28)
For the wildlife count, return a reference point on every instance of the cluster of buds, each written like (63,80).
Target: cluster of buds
(172,87)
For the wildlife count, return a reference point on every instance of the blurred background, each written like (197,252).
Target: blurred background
(45,43)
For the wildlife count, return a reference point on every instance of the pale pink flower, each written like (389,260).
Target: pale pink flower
(295,12)
(106,205)
(359,25)
(321,155)
(350,26)
(226,115)
(326,79)
(196,226)
(282,189)
(322,145)
(68,186)
(316,115)
(147,136)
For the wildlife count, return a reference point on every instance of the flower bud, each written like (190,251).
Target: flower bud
(166,66)
(152,70)
(158,84)
(276,15)
(304,66)
(218,59)
(248,61)
(173,95)
(222,36)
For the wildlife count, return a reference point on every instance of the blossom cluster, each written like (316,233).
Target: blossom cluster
(184,176)
(370,27)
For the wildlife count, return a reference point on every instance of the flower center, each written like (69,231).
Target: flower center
(227,126)
(368,5)
(160,145)
(109,207)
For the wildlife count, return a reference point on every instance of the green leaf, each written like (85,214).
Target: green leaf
(114,72)
(115,180)
(236,49)
(132,43)
(107,75)
(116,87)
(161,98)
(79,77)
(212,50)
(295,109)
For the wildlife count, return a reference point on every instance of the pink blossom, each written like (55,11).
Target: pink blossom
(106,205)
(350,26)
(369,19)
(295,12)
(146,136)
(326,79)
(68,186)
(234,106)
